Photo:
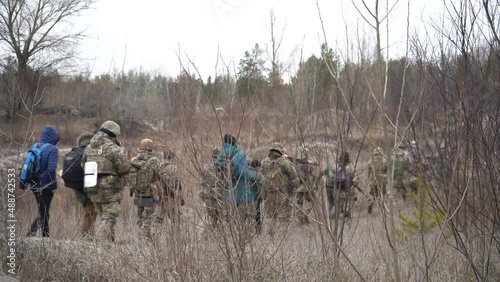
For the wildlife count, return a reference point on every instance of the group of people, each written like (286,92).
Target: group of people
(289,187)
(98,170)
(286,187)
(278,188)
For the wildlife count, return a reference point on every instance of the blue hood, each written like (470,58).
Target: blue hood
(49,135)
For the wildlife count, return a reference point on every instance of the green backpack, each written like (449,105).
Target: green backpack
(141,176)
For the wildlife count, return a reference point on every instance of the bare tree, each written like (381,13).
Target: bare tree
(39,35)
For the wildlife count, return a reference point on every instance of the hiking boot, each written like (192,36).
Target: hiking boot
(370,208)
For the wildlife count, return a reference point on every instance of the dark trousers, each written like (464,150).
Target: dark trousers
(330,195)
(258,214)
(43,200)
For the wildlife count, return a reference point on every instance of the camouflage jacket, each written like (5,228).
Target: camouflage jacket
(310,175)
(170,182)
(209,183)
(377,170)
(143,181)
(111,164)
(349,167)
(288,170)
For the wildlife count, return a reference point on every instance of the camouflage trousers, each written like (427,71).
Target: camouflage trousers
(170,208)
(214,210)
(89,217)
(345,200)
(376,192)
(305,203)
(144,214)
(278,208)
(108,211)
(405,185)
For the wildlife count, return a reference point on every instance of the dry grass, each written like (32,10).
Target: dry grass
(188,251)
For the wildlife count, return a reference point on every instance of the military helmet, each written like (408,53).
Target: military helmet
(168,154)
(215,152)
(146,144)
(278,147)
(112,127)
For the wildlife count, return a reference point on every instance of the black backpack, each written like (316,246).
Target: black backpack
(72,170)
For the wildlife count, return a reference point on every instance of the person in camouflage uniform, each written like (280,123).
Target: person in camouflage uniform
(171,197)
(329,174)
(377,173)
(310,176)
(400,161)
(104,149)
(281,181)
(345,197)
(414,168)
(212,192)
(89,213)
(256,165)
(144,185)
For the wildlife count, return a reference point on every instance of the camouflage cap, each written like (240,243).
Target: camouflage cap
(146,144)
(112,127)
(278,147)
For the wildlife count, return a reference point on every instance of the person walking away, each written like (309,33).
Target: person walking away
(171,199)
(259,219)
(377,174)
(104,152)
(239,181)
(73,176)
(212,192)
(144,184)
(280,183)
(45,184)
(346,181)
(310,176)
(400,162)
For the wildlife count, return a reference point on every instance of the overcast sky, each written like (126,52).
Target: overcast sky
(149,34)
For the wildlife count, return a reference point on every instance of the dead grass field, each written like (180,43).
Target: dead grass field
(189,251)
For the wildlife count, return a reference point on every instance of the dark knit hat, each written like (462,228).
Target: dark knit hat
(230,139)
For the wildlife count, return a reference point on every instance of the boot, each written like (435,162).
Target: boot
(370,208)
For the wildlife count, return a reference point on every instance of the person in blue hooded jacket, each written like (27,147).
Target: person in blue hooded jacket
(45,188)
(243,179)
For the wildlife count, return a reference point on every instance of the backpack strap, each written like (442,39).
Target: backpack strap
(45,145)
